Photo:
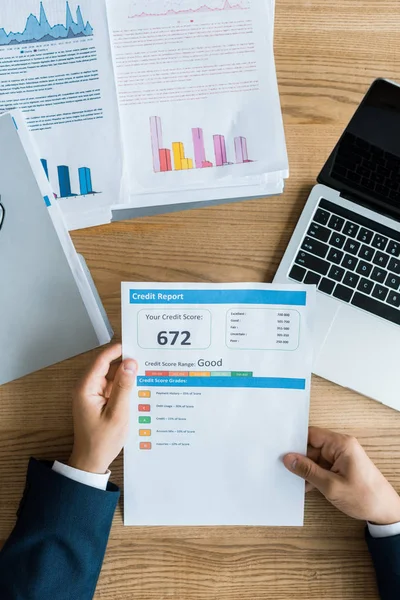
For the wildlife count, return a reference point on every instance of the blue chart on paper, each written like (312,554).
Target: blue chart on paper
(40,30)
(64,180)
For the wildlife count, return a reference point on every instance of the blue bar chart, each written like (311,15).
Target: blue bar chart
(64,180)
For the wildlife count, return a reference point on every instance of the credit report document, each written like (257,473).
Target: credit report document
(222,394)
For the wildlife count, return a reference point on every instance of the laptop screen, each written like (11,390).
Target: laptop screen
(365,164)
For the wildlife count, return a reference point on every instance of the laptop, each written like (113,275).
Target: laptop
(347,243)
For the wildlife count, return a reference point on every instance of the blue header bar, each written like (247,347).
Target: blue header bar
(276,383)
(285,298)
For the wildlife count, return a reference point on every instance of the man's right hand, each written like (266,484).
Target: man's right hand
(340,469)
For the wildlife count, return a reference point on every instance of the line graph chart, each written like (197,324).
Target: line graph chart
(152,8)
(40,30)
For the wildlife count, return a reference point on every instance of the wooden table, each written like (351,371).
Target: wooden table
(327,54)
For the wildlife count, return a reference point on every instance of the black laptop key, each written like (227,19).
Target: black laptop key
(379,242)
(336,223)
(349,262)
(319,232)
(336,273)
(335,256)
(368,226)
(326,285)
(297,273)
(376,308)
(364,268)
(379,292)
(351,279)
(380,259)
(312,278)
(393,281)
(394,265)
(365,286)
(343,293)
(308,261)
(366,252)
(382,190)
(378,275)
(352,246)
(315,247)
(365,235)
(393,248)
(337,240)
(322,216)
(354,177)
(340,171)
(394,299)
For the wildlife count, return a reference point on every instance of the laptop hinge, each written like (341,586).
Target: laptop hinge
(376,206)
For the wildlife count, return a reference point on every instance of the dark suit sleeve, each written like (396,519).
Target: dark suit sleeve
(385,554)
(57,547)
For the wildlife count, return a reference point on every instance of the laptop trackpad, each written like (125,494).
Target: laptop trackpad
(361,352)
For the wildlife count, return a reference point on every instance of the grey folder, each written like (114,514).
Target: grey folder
(48,309)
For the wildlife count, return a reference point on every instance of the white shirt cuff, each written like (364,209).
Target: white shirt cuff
(91,479)
(383,531)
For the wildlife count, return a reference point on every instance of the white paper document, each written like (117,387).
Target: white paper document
(198,99)
(145,103)
(56,66)
(222,394)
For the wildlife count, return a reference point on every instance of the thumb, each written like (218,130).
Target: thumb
(309,470)
(123,383)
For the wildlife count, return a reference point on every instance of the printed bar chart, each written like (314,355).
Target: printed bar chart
(219,150)
(175,159)
(45,166)
(64,180)
(85,181)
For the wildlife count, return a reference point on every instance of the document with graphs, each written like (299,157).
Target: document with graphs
(140,104)
(198,98)
(222,393)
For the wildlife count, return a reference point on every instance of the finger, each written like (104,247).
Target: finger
(309,470)
(113,370)
(99,369)
(328,442)
(309,487)
(313,453)
(122,386)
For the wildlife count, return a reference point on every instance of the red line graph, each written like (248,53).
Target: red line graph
(243,5)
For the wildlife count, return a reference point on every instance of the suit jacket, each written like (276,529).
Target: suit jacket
(57,547)
(385,554)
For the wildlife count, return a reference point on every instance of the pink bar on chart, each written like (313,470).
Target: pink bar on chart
(241,150)
(219,150)
(198,143)
(206,163)
(156,142)
(165,159)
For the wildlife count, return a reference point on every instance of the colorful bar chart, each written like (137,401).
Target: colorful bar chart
(175,159)
(64,180)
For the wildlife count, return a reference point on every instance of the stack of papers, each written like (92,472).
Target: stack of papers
(49,307)
(140,106)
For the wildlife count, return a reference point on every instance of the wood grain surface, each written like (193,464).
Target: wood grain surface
(327,54)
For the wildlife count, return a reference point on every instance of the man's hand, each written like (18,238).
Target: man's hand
(101,411)
(339,468)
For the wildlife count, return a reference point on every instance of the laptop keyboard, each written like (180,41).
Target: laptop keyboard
(368,168)
(353,259)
